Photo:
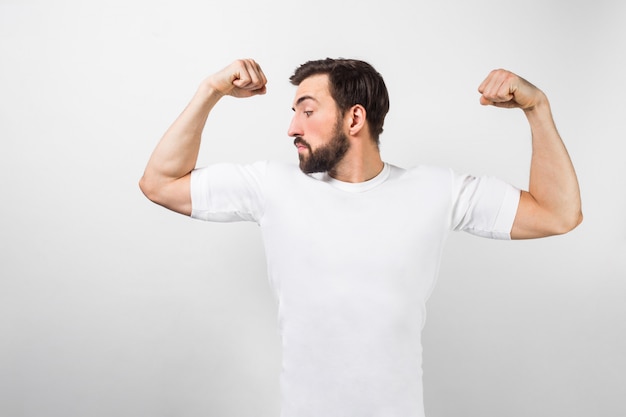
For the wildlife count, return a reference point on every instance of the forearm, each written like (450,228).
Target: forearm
(553,183)
(177,152)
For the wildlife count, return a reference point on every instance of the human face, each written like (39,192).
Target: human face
(317,127)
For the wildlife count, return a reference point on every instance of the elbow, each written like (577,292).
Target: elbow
(148,188)
(569,223)
(173,195)
(578,219)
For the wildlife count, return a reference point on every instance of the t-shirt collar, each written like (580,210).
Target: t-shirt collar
(355,187)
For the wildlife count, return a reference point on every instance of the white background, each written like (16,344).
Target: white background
(112,306)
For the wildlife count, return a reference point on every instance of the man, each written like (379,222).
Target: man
(353,243)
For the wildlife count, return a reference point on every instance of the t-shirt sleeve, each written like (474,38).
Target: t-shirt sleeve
(228,192)
(484,206)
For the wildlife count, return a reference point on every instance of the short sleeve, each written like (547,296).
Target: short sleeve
(228,192)
(484,206)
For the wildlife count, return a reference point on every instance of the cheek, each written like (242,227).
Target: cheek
(314,136)
(322,131)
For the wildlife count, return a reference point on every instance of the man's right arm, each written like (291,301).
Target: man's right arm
(166,179)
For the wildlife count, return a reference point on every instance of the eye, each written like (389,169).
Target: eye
(308,113)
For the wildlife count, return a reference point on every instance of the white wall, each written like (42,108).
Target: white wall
(110,305)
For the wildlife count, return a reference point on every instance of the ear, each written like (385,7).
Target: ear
(357,117)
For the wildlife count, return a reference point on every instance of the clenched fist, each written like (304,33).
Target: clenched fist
(502,88)
(242,78)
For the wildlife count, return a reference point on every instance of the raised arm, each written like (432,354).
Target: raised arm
(551,206)
(166,178)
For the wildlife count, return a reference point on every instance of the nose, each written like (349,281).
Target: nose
(294,128)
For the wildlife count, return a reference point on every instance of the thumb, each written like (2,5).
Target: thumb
(485,102)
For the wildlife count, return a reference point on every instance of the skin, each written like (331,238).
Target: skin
(314,120)
(166,179)
(550,206)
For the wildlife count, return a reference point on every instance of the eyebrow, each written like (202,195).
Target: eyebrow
(301,99)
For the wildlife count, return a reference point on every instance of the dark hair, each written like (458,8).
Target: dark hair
(351,82)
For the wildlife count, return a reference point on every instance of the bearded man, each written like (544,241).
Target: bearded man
(353,243)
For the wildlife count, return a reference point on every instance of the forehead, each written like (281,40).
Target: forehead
(315,87)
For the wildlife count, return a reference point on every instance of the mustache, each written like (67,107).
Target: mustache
(299,141)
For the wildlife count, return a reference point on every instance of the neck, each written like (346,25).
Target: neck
(360,164)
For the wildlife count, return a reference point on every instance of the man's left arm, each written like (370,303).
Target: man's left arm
(551,206)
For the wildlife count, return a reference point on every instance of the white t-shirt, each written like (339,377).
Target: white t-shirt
(352,266)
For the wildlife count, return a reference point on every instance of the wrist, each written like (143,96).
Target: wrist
(540,113)
(540,104)
(208,91)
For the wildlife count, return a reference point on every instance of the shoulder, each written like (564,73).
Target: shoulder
(423,173)
(280,166)
(261,168)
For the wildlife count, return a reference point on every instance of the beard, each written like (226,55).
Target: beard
(325,158)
